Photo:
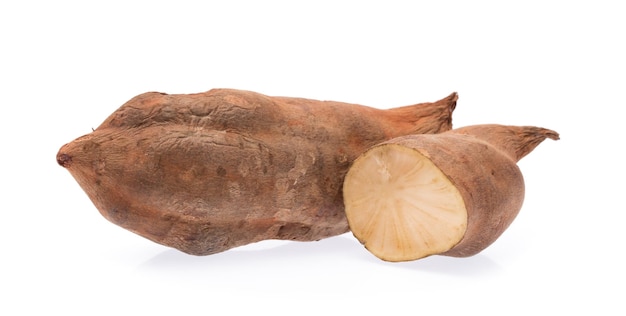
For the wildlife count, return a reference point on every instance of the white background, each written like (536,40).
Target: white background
(65,66)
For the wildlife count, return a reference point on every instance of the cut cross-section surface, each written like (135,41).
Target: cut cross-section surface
(401,206)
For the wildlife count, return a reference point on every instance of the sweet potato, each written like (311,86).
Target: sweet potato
(451,194)
(206,172)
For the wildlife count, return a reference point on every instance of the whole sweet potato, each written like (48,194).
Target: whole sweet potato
(210,171)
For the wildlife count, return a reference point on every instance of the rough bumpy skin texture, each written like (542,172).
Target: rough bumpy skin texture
(210,171)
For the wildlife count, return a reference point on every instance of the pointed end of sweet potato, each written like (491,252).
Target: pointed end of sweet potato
(515,141)
(530,137)
(430,117)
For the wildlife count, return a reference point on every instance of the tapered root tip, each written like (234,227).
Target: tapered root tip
(449,104)
(547,133)
(515,141)
(64,160)
(538,134)
(452,98)
(530,137)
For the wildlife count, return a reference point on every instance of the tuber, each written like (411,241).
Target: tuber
(451,194)
(210,171)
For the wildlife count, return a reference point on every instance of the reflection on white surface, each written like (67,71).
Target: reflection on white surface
(324,253)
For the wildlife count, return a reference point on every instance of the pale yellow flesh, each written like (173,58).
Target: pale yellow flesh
(401,206)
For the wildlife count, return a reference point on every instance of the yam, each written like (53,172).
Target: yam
(451,194)
(210,171)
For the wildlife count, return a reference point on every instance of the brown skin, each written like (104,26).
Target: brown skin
(481,162)
(207,172)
